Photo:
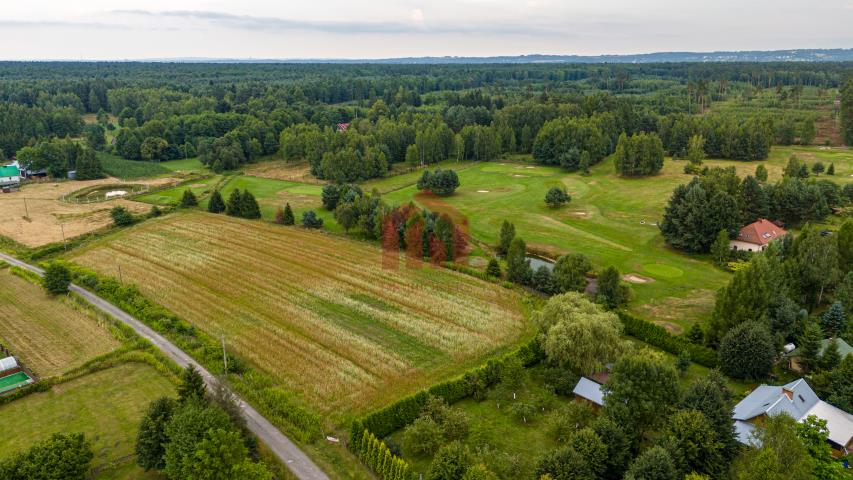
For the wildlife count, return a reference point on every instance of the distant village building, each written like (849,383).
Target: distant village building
(342,127)
(756,236)
(798,400)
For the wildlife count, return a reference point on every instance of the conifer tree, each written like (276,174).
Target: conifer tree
(831,357)
(506,237)
(834,319)
(289,219)
(720,249)
(249,207)
(761,173)
(192,386)
(188,199)
(234,206)
(216,204)
(809,348)
(831,169)
(494,268)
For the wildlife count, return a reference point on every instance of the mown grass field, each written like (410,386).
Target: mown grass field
(611,219)
(319,313)
(106,406)
(49,335)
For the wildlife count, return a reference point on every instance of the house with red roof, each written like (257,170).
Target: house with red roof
(757,235)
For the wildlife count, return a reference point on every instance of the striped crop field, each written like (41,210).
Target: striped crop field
(50,336)
(317,312)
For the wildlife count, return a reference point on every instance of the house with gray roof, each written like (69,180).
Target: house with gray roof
(798,400)
(589,390)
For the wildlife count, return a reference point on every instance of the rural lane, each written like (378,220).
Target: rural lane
(289,454)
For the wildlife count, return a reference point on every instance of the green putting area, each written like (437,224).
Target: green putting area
(13,381)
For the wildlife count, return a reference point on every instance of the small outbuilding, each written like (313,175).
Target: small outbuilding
(590,391)
(10,176)
(7,364)
(757,235)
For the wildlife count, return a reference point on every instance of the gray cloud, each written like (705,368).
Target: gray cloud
(276,24)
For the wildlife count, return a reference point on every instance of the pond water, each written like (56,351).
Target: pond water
(536,262)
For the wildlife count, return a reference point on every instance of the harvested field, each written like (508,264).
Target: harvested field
(319,313)
(283,170)
(49,335)
(34,214)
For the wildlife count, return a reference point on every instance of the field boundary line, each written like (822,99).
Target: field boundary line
(287,452)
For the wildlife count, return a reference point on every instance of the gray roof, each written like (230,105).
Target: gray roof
(773,400)
(589,390)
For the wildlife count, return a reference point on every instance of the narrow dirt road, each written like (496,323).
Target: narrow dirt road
(288,453)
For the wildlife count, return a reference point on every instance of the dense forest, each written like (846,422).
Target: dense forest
(353,122)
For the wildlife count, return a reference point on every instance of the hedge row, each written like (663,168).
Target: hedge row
(254,386)
(375,454)
(658,336)
(404,411)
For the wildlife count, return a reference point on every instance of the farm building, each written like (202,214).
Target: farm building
(756,236)
(844,349)
(11,375)
(798,400)
(10,176)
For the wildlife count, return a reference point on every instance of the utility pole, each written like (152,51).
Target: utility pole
(224,355)
(64,243)
(119,274)
(26,208)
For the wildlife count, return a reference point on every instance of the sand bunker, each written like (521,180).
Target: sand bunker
(482,191)
(634,278)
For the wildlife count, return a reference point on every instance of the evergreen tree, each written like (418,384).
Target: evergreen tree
(830,358)
(288,215)
(557,197)
(506,237)
(611,291)
(57,278)
(720,249)
(192,385)
(311,220)
(761,173)
(696,335)
(754,200)
(844,240)
(121,217)
(493,269)
(711,396)
(653,464)
(151,439)
(88,166)
(844,293)
(809,346)
(249,207)
(543,280)
(693,442)
(518,265)
(831,169)
(834,319)
(234,207)
(188,199)
(818,168)
(216,204)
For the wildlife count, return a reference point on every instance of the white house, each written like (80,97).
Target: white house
(756,236)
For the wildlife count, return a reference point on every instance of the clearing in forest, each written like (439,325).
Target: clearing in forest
(319,313)
(49,335)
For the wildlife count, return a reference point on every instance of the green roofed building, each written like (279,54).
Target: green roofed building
(10,176)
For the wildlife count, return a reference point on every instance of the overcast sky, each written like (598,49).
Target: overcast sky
(281,29)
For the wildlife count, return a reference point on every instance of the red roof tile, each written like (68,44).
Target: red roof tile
(760,232)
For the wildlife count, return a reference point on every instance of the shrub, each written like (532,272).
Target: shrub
(440,182)
(450,463)
(422,437)
(747,351)
(557,197)
(657,336)
(188,199)
(121,217)
(155,211)
(60,456)
(57,278)
(310,220)
(494,268)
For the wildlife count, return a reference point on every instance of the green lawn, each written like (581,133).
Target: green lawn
(172,196)
(107,406)
(612,220)
(130,169)
(186,165)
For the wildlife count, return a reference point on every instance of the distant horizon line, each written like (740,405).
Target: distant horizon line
(792,55)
